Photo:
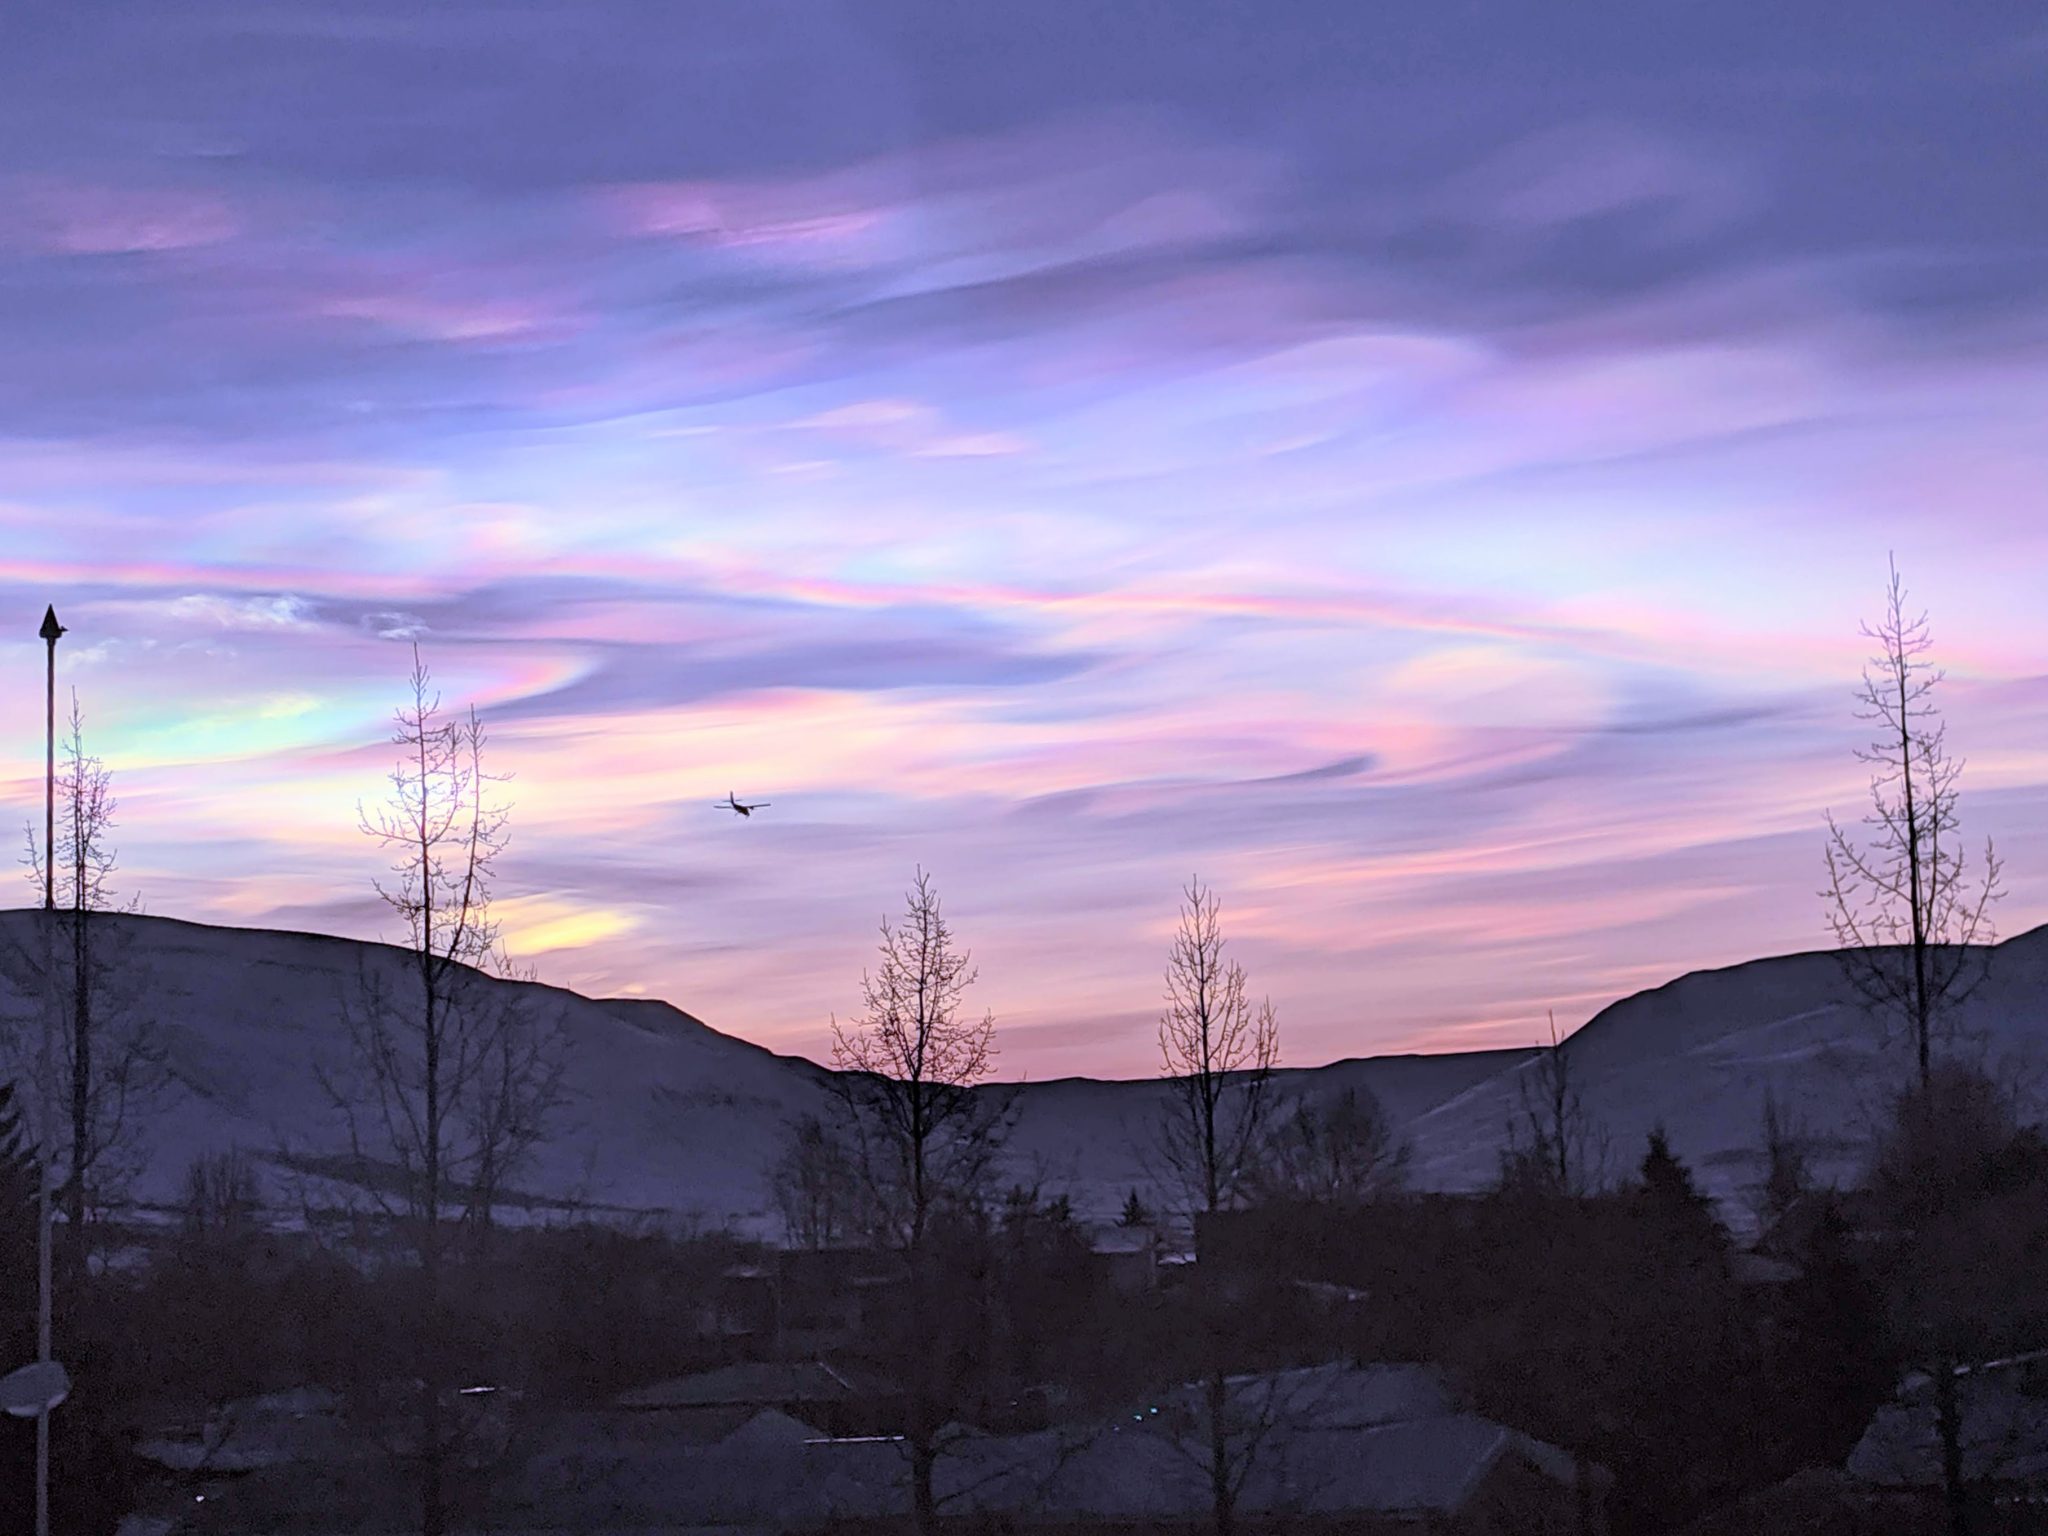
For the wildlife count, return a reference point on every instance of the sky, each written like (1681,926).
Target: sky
(1419,468)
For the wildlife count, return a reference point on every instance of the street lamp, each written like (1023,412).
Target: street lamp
(45,1386)
(50,631)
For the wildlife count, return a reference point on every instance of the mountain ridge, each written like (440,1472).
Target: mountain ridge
(674,1119)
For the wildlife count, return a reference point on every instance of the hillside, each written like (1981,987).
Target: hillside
(1698,1055)
(672,1118)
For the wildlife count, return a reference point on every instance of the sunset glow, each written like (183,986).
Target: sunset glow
(1443,527)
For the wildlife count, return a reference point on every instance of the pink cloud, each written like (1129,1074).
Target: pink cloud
(967,210)
(90,219)
(975,445)
(441,318)
(911,427)
(797,222)
(1592,168)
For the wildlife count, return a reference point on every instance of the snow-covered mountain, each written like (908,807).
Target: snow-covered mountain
(671,1117)
(1698,1055)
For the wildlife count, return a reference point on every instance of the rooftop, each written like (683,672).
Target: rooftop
(764,1383)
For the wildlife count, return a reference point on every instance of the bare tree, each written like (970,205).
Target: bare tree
(1908,907)
(814,1186)
(1555,1147)
(1911,915)
(1338,1149)
(522,1059)
(923,1139)
(452,1079)
(1225,1432)
(1788,1176)
(1958,1175)
(921,1134)
(1218,1054)
(110,1055)
(222,1200)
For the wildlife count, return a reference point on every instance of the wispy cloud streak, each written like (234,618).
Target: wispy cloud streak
(1425,475)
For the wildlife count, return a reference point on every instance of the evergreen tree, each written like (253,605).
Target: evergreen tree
(1667,1182)
(1834,1356)
(1673,1202)
(1135,1214)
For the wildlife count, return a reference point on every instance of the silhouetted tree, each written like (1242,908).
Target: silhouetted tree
(1338,1149)
(109,1057)
(1611,1325)
(1787,1178)
(1961,1184)
(922,1137)
(1688,1375)
(1961,1187)
(452,1081)
(1680,1220)
(202,1287)
(815,1187)
(1908,908)
(223,1202)
(598,1305)
(1217,1054)
(1906,904)
(1227,1427)
(106,1072)
(1134,1213)
(1833,1360)
(1045,1304)
(1667,1182)
(1554,1145)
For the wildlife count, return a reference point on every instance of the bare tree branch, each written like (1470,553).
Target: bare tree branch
(1910,911)
(454,1080)
(110,1054)
(923,1140)
(1218,1053)
(1338,1149)
(1554,1146)
(1911,915)
(921,1135)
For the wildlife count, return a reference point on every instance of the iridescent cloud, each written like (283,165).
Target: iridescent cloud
(1423,474)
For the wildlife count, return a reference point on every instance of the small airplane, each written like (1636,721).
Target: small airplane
(733,803)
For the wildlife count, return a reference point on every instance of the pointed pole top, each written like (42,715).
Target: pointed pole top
(51,628)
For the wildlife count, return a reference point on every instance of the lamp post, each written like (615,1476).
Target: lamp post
(50,631)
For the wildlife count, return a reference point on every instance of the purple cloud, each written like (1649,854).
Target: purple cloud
(1425,473)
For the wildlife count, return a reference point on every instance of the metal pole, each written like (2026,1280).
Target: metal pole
(50,631)
(43,1336)
(47,1131)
